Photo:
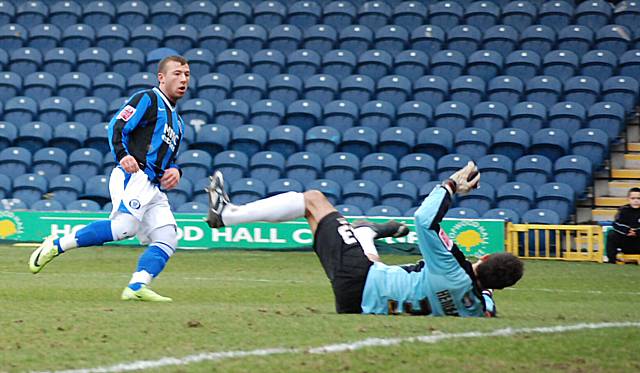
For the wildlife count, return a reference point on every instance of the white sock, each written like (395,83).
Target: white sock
(68,242)
(366,237)
(141,277)
(281,207)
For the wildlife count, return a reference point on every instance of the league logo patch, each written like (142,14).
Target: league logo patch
(127,113)
(134,203)
(445,239)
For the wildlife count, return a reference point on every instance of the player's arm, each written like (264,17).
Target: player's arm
(122,124)
(618,224)
(490,305)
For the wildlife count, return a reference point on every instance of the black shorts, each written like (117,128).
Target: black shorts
(343,261)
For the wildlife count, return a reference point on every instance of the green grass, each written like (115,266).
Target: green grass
(70,316)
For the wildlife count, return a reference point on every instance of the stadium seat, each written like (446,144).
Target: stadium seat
(31,13)
(496,169)
(424,191)
(44,37)
(362,193)
(448,64)
(462,213)
(248,139)
(339,63)
(467,89)
(215,38)
(322,140)
(482,14)
(359,141)
(434,141)
(269,13)
(379,168)
(349,210)
(233,62)
(339,14)
(303,63)
(267,113)
(503,214)
(523,64)
(285,88)
(303,114)
(285,140)
(593,14)
(13,204)
(591,143)
(428,39)
(49,162)
(85,162)
(112,37)
(250,38)
(232,164)
(555,14)
(473,142)
(193,207)
(97,189)
(400,195)
(528,116)
(374,14)
(394,89)
(83,205)
(146,37)
(197,112)
(10,85)
(627,13)
(249,87)
(561,64)
(606,116)
(533,170)
(231,113)
(538,38)
(212,138)
(128,61)
(13,36)
(33,136)
(214,87)
(5,186)
(358,89)
(132,13)
(374,63)
(414,115)
(584,90)
(621,89)
(516,196)
(283,186)
(567,116)
(409,14)
(14,161)
(247,190)
(20,109)
(88,111)
(321,88)
(452,115)
(93,62)
(78,37)
(464,38)
(481,199)
(7,12)
(47,205)
(268,62)
(540,216)
(234,13)
(630,63)
(39,85)
(577,39)
(391,39)
(303,167)
(8,134)
(485,64)
(195,164)
(397,141)
(355,38)
(304,14)
(341,167)
(29,188)
(165,13)
(417,168)
(59,61)
(451,163)
(331,189)
(24,61)
(267,166)
(377,115)
(340,114)
(285,38)
(446,14)
(574,170)
(98,13)
(411,64)
(502,39)
(511,142)
(109,86)
(519,14)
(181,194)
(320,38)
(614,38)
(200,14)
(98,138)
(491,116)
(543,89)
(74,86)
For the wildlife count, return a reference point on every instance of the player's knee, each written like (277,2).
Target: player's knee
(314,197)
(124,226)
(166,238)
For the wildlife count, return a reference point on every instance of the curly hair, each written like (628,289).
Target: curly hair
(499,271)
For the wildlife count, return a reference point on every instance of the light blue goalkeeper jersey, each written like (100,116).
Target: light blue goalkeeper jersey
(441,287)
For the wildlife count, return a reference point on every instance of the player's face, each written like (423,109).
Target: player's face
(634,199)
(174,81)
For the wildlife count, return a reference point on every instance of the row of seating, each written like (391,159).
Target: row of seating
(339,13)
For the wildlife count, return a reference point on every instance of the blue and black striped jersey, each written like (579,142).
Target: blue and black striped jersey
(149,128)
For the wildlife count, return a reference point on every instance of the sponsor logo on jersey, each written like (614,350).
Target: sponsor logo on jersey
(134,203)
(127,113)
(170,137)
(445,239)
(446,301)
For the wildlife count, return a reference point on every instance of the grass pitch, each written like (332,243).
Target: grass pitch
(70,317)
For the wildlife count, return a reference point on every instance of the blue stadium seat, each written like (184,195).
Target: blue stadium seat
(13,36)
(584,90)
(285,38)
(452,115)
(59,61)
(359,141)
(132,13)
(250,38)
(200,194)
(496,169)
(232,164)
(78,37)
(528,116)
(464,38)
(234,13)
(195,164)
(193,207)
(397,141)
(511,142)
(491,116)
(568,116)
(47,205)
(627,13)
(331,189)
(112,37)
(395,89)
(630,63)
(538,38)
(304,14)
(69,136)
(374,63)
(321,88)
(128,61)
(341,167)
(20,109)
(500,38)
(482,14)
(44,37)
(516,196)
(614,38)
(15,161)
(29,188)
(558,197)
(96,189)
(212,138)
(110,87)
(462,213)
(303,63)
(8,134)
(349,210)
(414,115)
(377,115)
(247,190)
(392,39)
(214,87)
(269,13)
(555,14)
(448,64)
(10,84)
(24,61)
(181,194)
(411,64)
(5,186)
(445,14)
(232,113)
(339,62)
(303,167)
(467,89)
(98,137)
(215,38)
(562,64)
(98,13)
(286,140)
(523,64)
(165,13)
(358,89)
(31,13)
(355,38)
(550,142)
(85,162)
(268,62)
(146,37)
(200,14)
(249,87)
(374,14)
(267,113)
(233,62)
(410,14)
(320,38)
(49,162)
(197,112)
(397,194)
(340,114)
(83,205)
(339,14)
(362,193)
(543,89)
(379,168)
(33,136)
(248,139)
(267,166)
(485,64)
(435,141)
(283,186)
(93,62)
(591,143)
(304,114)
(7,12)
(577,39)
(502,214)
(39,85)
(428,39)
(285,88)
(621,89)
(481,199)
(417,168)
(540,216)
(451,163)
(593,14)
(519,14)
(473,142)
(88,111)
(606,116)
(424,191)
(74,86)
(533,170)
(322,140)
(574,170)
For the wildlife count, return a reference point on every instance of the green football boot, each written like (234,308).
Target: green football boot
(43,255)
(144,294)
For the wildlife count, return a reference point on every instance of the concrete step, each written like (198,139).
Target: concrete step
(610,201)
(619,188)
(633,146)
(604,214)
(632,160)
(625,173)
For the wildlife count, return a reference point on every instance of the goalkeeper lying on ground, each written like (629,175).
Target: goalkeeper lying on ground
(444,284)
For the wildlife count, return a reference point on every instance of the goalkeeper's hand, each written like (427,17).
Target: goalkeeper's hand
(466,178)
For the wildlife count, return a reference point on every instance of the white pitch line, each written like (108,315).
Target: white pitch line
(342,347)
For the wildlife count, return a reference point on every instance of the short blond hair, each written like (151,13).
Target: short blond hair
(163,63)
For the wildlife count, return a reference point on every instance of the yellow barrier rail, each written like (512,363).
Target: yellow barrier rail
(557,242)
